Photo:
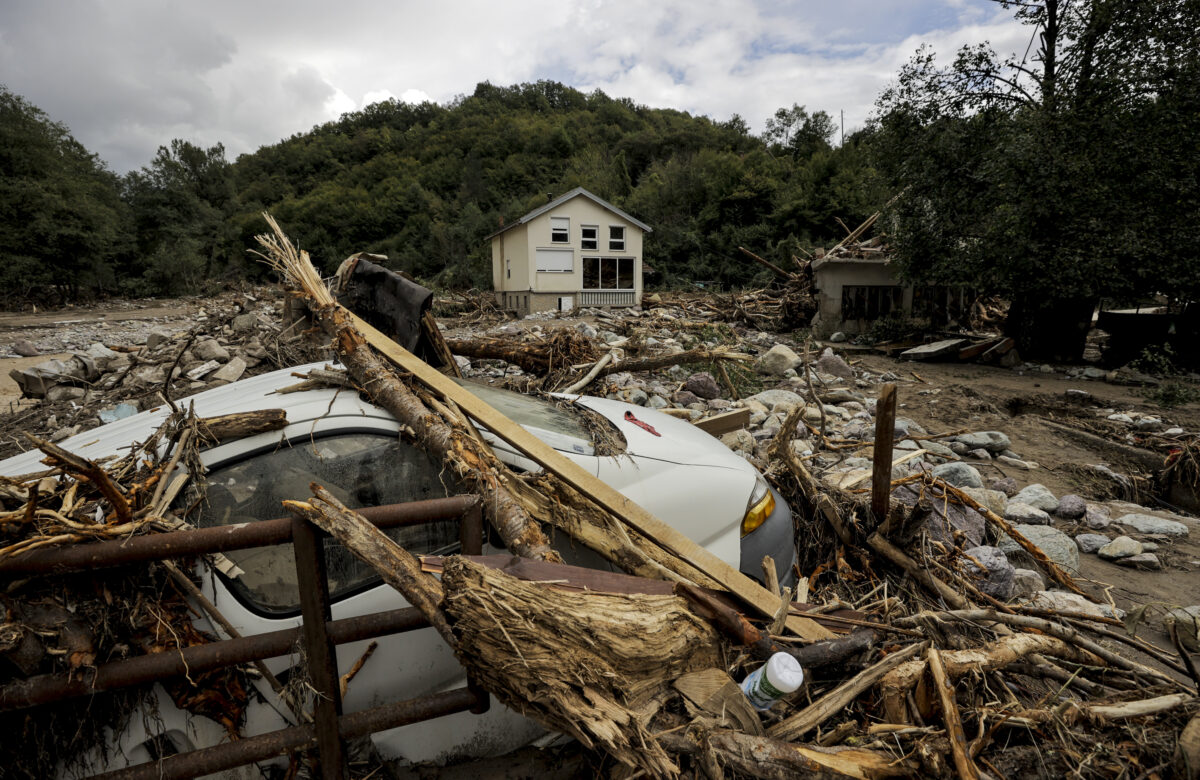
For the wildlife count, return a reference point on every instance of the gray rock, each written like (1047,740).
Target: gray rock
(840,395)
(958,448)
(25,349)
(703,385)
(1016,463)
(1187,623)
(1037,495)
(1096,517)
(777,360)
(230,372)
(586,330)
(1145,560)
(244,323)
(155,338)
(1018,512)
(959,474)
(1026,582)
(1149,547)
(993,569)
(992,441)
(946,519)
(1149,524)
(1090,543)
(657,402)
(1062,601)
(979,454)
(1121,547)
(908,427)
(64,393)
(685,397)
(830,363)
(1007,486)
(463,363)
(1071,507)
(769,398)
(634,395)
(992,499)
(209,349)
(937,448)
(740,440)
(838,338)
(1056,545)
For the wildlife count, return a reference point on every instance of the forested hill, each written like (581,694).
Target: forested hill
(424,184)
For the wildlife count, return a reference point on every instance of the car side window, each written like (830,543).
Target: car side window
(359,469)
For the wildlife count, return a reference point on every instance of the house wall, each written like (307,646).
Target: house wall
(830,277)
(510,252)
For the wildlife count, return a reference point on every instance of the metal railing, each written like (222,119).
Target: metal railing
(607,297)
(318,633)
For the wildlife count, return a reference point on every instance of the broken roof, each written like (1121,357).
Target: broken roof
(563,199)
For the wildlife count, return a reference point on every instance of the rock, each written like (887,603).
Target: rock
(993,569)
(202,370)
(634,395)
(992,499)
(840,395)
(777,360)
(769,398)
(1017,463)
(801,447)
(1037,495)
(209,349)
(586,329)
(830,363)
(118,412)
(958,448)
(1007,486)
(1187,623)
(245,323)
(25,349)
(64,393)
(1121,418)
(1061,601)
(703,385)
(463,363)
(1056,545)
(993,441)
(1071,507)
(1019,512)
(979,454)
(1145,560)
(1090,543)
(838,338)
(685,397)
(230,372)
(657,402)
(1121,547)
(1096,517)
(1149,524)
(907,427)
(155,338)
(937,448)
(1026,582)
(966,521)
(959,474)
(740,440)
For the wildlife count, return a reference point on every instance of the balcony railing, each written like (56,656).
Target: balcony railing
(607,297)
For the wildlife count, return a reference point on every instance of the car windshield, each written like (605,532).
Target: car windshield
(559,426)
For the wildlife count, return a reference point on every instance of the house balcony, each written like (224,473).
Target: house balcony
(607,297)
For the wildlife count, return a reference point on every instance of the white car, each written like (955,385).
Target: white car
(674,470)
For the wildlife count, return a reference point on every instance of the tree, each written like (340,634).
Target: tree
(1054,180)
(799,133)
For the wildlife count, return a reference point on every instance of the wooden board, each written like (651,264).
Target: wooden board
(724,423)
(973,351)
(749,591)
(935,350)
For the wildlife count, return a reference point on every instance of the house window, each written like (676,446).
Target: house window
(870,302)
(589,237)
(555,260)
(560,230)
(616,238)
(608,273)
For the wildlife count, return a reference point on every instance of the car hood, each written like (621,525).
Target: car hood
(677,441)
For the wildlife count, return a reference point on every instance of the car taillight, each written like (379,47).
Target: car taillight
(760,506)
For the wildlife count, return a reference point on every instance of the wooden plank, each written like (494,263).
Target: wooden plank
(587,484)
(724,423)
(937,349)
(885,433)
(1000,349)
(973,351)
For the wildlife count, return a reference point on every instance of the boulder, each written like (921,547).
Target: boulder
(1121,547)
(832,364)
(1037,495)
(244,323)
(1149,524)
(1025,583)
(25,348)
(769,398)
(1071,507)
(1007,486)
(994,442)
(994,572)
(1056,545)
(956,517)
(209,349)
(230,372)
(992,499)
(740,440)
(685,397)
(777,360)
(1096,517)
(1145,560)
(937,448)
(838,338)
(1017,512)
(155,338)
(959,474)
(703,385)
(1090,543)
(979,454)
(1187,623)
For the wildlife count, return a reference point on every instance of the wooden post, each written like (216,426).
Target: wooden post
(881,473)
(309,549)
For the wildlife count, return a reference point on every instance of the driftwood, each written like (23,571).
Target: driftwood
(958,741)
(241,424)
(554,354)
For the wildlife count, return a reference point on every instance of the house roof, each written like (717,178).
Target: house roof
(563,199)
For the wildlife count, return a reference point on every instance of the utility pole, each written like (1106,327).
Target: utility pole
(843,113)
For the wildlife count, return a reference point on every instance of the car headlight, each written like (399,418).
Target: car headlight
(760,506)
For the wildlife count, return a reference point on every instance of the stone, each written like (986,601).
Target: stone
(993,569)
(1187,623)
(1016,463)
(993,441)
(1056,545)
(937,448)
(838,338)
(1026,582)
(230,372)
(801,447)
(959,518)
(1090,543)
(1121,418)
(740,440)
(1145,560)
(1019,512)
(685,397)
(1007,486)
(657,402)
(155,338)
(586,329)
(959,475)
(25,349)
(1071,507)
(244,323)
(770,398)
(1096,517)
(991,499)
(1149,524)
(1062,601)
(463,363)
(909,427)
(64,393)
(209,349)
(1121,547)
(958,448)
(777,360)
(979,454)
(832,364)
(1037,495)
(703,385)
(840,395)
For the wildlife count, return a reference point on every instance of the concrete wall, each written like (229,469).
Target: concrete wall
(831,276)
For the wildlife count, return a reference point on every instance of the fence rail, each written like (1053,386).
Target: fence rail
(607,297)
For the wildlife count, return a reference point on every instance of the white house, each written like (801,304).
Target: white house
(577,250)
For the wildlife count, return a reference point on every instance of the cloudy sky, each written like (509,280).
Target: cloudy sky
(129,75)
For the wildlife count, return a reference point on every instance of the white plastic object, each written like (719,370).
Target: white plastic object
(779,676)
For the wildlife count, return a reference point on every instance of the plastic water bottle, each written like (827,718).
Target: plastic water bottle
(779,676)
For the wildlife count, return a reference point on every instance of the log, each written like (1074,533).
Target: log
(240,424)
(958,740)
(666,361)
(1186,761)
(881,473)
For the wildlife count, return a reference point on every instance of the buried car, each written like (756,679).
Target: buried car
(358,452)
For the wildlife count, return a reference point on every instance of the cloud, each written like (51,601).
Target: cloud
(129,75)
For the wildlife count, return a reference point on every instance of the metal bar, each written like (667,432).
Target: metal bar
(200,541)
(280,743)
(885,434)
(471,530)
(320,658)
(198,658)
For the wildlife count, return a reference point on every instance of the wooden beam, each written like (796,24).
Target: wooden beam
(603,494)
(885,433)
(724,423)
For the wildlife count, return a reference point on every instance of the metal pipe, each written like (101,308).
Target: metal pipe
(199,541)
(229,755)
(47,688)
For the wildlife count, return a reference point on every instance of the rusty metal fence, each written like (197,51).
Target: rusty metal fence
(318,635)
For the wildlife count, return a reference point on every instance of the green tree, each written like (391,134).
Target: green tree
(798,132)
(1058,179)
